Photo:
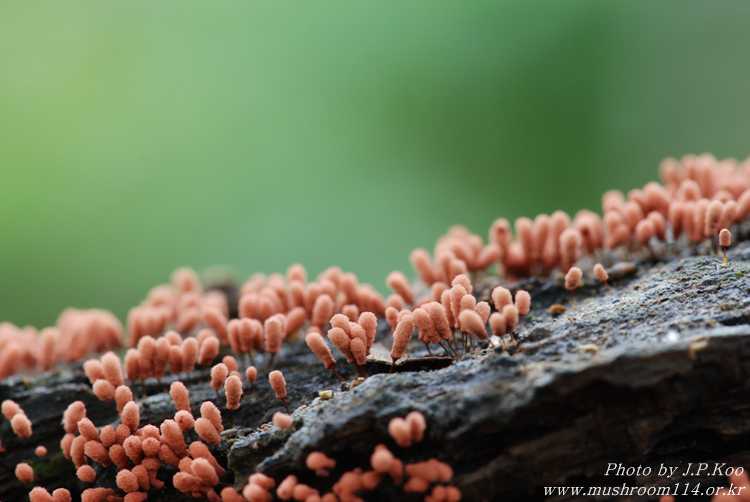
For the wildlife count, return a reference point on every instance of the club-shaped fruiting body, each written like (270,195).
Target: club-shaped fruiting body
(725,240)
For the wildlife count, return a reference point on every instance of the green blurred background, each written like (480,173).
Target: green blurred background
(136,137)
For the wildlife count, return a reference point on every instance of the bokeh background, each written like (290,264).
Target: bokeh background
(136,137)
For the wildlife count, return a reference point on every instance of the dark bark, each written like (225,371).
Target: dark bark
(659,373)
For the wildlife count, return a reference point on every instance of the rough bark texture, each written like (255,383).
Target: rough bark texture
(658,373)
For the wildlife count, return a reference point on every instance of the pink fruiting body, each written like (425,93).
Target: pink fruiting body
(209,349)
(77,453)
(320,348)
(131,416)
(274,334)
(295,319)
(422,262)
(127,481)
(570,247)
(472,323)
(282,420)
(21,425)
(123,395)
(161,357)
(439,319)
(427,331)
(112,369)
(39,494)
(572,278)
(713,213)
(382,459)
(484,310)
(468,302)
(417,424)
(86,474)
(219,375)
(302,492)
(215,319)
(351,311)
(132,364)
(212,413)
(180,395)
(501,297)
(88,430)
(93,370)
(318,460)
(342,322)
(510,313)
(400,431)
(25,473)
(400,284)
(523,302)
(104,390)
(725,238)
(150,447)
(600,273)
(122,431)
(278,383)
(322,310)
(205,471)
(96,452)
(108,436)
(359,351)
(198,449)
(10,408)
(190,351)
(497,324)
(369,323)
(61,495)
(401,337)
(233,388)
(184,420)
(457,293)
(207,431)
(251,373)
(644,231)
(341,341)
(416,485)
(391,315)
(286,487)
